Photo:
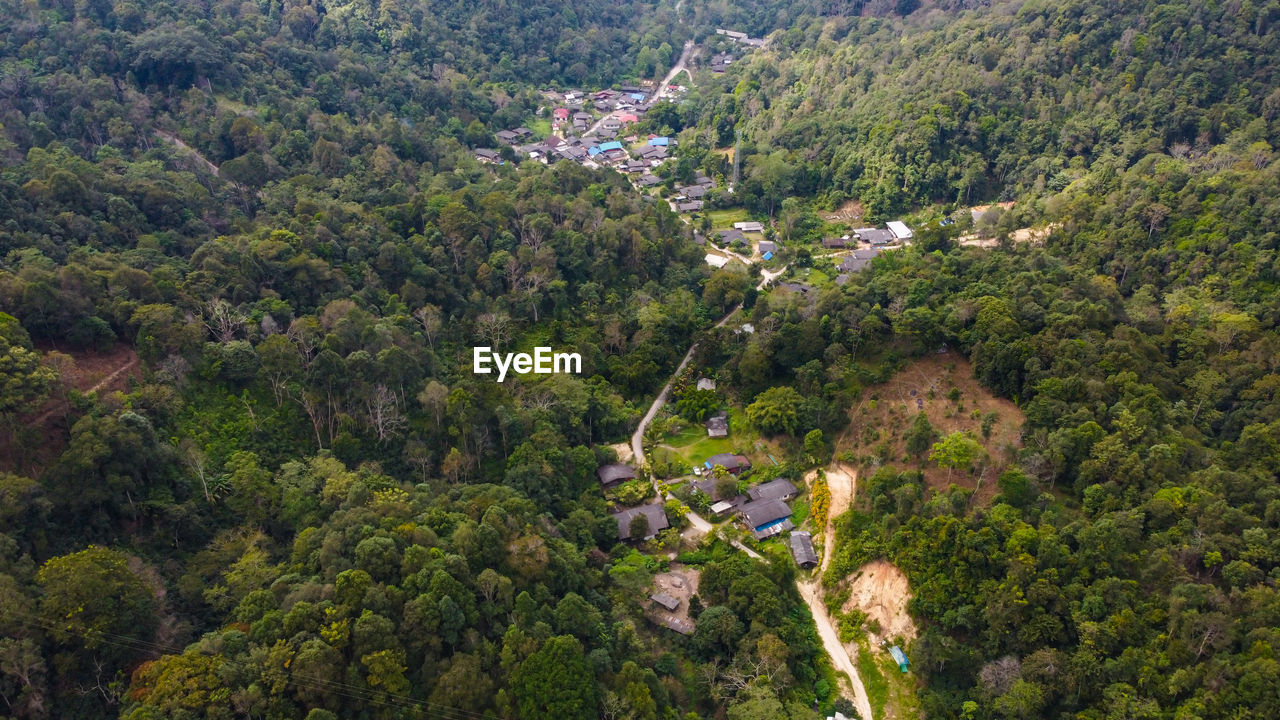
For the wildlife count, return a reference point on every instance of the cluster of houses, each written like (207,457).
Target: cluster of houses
(866,243)
(690,198)
(763,510)
(636,157)
(721,62)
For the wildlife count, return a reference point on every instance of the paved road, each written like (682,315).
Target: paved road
(685,56)
(662,92)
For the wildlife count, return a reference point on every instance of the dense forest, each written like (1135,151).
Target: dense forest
(299,502)
(995,103)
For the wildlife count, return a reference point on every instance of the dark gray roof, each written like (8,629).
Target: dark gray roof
(666,601)
(835,242)
(657,520)
(691,206)
(486,153)
(728,236)
(768,246)
(614,473)
(875,236)
(852,265)
(763,512)
(802,549)
(775,489)
(728,460)
(648,180)
(694,191)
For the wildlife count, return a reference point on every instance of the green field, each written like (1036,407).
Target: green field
(723,219)
(693,446)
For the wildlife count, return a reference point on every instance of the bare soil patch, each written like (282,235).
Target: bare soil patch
(680,582)
(881,590)
(44,432)
(850,211)
(879,423)
(625,454)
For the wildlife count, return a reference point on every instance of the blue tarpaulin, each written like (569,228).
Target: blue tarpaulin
(900,658)
(768,256)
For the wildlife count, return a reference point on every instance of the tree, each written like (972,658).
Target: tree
(921,435)
(776,410)
(695,405)
(815,446)
(957,450)
(92,598)
(23,380)
(555,682)
(638,529)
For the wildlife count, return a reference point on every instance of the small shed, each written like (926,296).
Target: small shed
(802,549)
(716,260)
(768,246)
(718,425)
(722,507)
(666,601)
(900,657)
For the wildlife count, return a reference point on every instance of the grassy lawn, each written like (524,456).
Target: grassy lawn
(723,219)
(541,127)
(693,446)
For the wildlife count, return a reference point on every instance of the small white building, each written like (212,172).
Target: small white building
(718,261)
(899,229)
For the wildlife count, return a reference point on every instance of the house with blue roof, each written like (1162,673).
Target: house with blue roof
(660,141)
(611,145)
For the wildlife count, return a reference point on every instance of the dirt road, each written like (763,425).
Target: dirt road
(842,482)
(812,594)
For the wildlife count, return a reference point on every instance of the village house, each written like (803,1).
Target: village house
(768,247)
(487,156)
(775,489)
(747,227)
(615,473)
(766,518)
(691,206)
(729,461)
(837,243)
(802,549)
(654,513)
(728,237)
(649,180)
(876,236)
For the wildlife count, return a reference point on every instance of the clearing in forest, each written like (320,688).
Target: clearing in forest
(880,590)
(850,212)
(681,583)
(43,432)
(941,386)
